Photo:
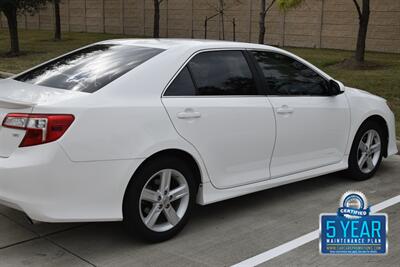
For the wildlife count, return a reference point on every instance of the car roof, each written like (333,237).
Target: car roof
(169,43)
(181,49)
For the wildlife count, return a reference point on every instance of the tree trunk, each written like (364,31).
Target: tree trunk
(221,12)
(10,11)
(261,22)
(156,29)
(57,26)
(362,31)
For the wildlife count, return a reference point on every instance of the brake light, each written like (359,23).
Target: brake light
(40,128)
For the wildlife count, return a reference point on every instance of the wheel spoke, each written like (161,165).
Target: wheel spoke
(370,164)
(171,215)
(152,217)
(165,180)
(362,160)
(376,148)
(178,193)
(149,195)
(369,139)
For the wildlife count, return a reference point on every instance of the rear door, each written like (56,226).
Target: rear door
(214,104)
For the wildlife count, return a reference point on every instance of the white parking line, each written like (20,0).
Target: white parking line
(302,240)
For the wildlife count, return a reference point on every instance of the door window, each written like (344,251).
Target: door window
(182,85)
(287,76)
(214,73)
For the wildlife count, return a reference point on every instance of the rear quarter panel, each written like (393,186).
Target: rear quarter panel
(125,119)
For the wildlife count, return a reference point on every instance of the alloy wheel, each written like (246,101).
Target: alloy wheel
(369,151)
(164,200)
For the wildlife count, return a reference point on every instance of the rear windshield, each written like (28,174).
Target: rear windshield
(90,68)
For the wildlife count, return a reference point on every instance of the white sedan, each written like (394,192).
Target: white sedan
(141,130)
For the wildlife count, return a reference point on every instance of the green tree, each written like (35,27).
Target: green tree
(11,9)
(264,8)
(363,17)
(287,4)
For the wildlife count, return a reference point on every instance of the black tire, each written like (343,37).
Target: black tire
(132,210)
(354,171)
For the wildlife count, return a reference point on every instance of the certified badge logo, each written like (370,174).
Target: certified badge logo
(353,230)
(353,205)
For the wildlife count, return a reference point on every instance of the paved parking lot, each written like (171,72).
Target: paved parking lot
(220,234)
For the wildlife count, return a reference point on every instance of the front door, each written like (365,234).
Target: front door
(312,127)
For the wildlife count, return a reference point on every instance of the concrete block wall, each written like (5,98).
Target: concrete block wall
(316,23)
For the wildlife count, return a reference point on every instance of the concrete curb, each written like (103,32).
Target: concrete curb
(4,75)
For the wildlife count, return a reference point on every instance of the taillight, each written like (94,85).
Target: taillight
(40,129)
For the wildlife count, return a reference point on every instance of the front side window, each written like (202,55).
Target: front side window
(214,73)
(90,68)
(287,76)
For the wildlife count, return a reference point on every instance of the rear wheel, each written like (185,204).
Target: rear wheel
(366,152)
(159,200)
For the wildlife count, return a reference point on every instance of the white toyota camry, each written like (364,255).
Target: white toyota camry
(141,130)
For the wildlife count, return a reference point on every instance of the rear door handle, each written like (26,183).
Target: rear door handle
(188,114)
(285,109)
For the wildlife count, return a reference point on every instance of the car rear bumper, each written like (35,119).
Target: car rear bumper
(45,184)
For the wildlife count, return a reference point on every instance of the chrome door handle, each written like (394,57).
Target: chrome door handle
(285,109)
(188,114)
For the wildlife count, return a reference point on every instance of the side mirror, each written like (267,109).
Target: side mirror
(335,88)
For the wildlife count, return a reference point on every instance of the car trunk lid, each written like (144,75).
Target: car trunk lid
(19,97)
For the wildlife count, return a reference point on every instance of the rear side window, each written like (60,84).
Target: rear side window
(90,68)
(214,73)
(182,85)
(287,76)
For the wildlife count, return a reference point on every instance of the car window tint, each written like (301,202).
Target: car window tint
(182,85)
(286,76)
(90,68)
(222,73)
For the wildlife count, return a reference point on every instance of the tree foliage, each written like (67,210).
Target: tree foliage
(282,5)
(288,4)
(11,9)
(23,6)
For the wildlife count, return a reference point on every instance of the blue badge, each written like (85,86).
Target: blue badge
(353,230)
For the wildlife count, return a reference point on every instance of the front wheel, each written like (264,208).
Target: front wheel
(366,152)
(159,199)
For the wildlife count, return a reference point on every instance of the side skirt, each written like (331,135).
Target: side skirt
(208,194)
